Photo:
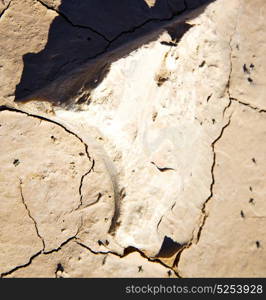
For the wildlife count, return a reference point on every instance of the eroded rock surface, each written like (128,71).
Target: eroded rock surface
(144,154)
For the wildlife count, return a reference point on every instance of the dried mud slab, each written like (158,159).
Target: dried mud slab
(53,189)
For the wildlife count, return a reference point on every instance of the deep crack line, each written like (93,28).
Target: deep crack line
(21,266)
(35,256)
(62,245)
(5,9)
(204,211)
(81,184)
(255,108)
(29,213)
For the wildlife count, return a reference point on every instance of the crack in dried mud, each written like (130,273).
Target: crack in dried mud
(204,212)
(81,184)
(5,9)
(29,213)
(3,108)
(255,108)
(41,252)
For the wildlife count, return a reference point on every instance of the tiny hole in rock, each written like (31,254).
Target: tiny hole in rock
(140,269)
(251,200)
(16,162)
(59,268)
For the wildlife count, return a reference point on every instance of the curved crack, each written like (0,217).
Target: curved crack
(12,109)
(165,169)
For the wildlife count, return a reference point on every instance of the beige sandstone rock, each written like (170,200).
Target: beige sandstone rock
(154,164)
(232,241)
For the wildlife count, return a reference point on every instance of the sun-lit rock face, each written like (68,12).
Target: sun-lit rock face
(135,150)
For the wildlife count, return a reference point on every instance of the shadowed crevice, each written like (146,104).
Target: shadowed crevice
(84,30)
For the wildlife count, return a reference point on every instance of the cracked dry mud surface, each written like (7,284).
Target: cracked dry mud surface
(140,152)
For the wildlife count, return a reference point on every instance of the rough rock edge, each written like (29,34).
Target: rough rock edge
(204,213)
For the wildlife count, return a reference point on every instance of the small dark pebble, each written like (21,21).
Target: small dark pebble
(251,200)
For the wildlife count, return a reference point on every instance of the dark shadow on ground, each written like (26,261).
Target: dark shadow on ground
(85,29)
